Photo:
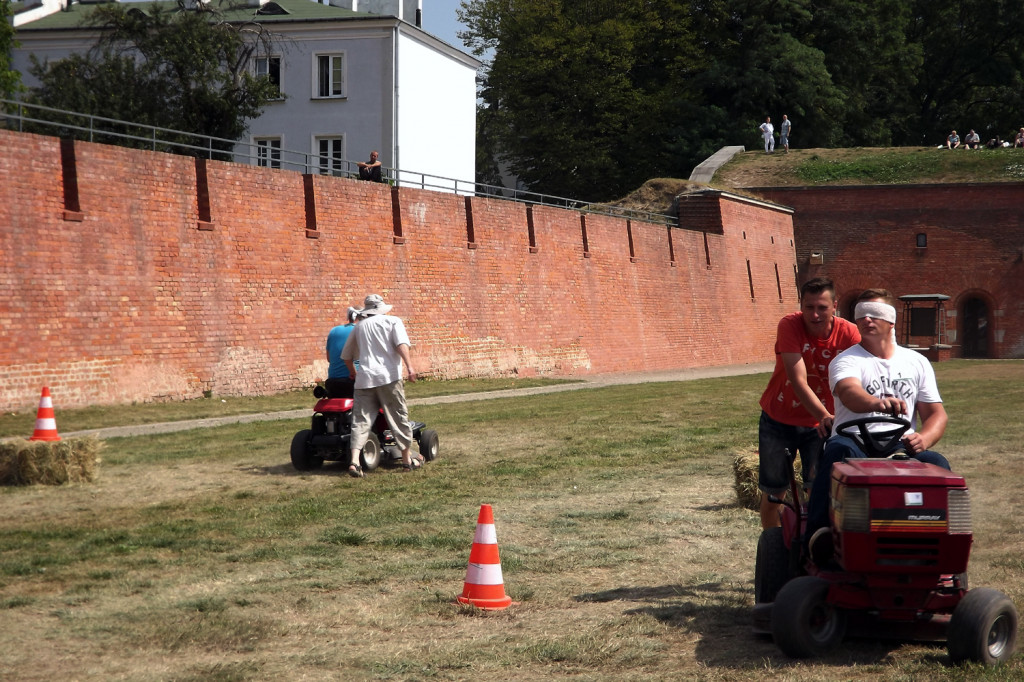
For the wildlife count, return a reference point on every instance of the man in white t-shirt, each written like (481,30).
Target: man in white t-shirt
(381,345)
(877,377)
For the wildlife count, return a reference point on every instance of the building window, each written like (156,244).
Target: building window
(268,152)
(269,67)
(330,155)
(922,240)
(330,75)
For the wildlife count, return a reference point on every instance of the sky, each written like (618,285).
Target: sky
(439,19)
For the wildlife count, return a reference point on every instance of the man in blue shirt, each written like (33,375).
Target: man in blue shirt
(340,383)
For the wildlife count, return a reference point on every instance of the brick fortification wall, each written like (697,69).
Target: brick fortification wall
(867,238)
(134,276)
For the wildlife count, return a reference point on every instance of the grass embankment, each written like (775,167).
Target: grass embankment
(203,556)
(883,166)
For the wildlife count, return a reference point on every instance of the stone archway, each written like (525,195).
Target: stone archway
(974,332)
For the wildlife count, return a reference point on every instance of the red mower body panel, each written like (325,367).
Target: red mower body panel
(905,526)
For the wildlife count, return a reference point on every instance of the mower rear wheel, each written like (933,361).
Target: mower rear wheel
(428,444)
(983,628)
(804,624)
(303,458)
(370,454)
(771,567)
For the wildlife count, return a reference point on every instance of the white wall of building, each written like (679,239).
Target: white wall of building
(363,116)
(438,134)
(407,95)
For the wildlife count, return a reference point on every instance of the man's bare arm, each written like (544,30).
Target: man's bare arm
(796,372)
(933,425)
(403,352)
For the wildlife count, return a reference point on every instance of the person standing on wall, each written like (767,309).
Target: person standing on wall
(768,130)
(797,407)
(381,345)
(340,383)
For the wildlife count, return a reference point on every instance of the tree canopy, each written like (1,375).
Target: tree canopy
(9,78)
(182,69)
(590,98)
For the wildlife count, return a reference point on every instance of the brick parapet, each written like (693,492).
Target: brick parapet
(146,299)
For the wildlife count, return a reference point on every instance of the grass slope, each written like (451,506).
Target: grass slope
(884,166)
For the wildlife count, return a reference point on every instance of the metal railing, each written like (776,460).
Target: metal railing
(25,117)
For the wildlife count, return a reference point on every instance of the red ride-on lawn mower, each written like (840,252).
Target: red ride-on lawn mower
(328,438)
(901,536)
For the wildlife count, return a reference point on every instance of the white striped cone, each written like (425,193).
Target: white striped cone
(484,586)
(46,425)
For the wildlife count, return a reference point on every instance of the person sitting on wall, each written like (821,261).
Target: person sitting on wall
(1019,140)
(371,169)
(972,141)
(953,141)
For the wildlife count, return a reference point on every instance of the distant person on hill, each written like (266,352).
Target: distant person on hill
(784,132)
(371,169)
(972,141)
(1019,140)
(953,141)
(797,406)
(768,130)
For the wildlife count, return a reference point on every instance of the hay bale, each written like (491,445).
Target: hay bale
(744,468)
(72,460)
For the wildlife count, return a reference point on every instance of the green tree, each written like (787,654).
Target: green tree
(869,59)
(183,69)
(577,92)
(9,78)
(971,72)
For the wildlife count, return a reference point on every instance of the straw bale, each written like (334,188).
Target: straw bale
(72,460)
(744,468)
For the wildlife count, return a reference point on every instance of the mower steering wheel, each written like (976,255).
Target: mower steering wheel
(875,443)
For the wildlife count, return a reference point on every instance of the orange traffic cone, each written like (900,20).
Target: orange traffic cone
(484,587)
(46,425)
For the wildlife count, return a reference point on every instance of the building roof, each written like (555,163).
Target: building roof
(274,11)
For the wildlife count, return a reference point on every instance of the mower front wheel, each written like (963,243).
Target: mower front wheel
(303,458)
(428,444)
(804,624)
(983,628)
(771,567)
(370,454)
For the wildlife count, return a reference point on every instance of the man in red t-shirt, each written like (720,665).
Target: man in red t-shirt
(797,408)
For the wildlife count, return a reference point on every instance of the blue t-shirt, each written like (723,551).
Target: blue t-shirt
(336,339)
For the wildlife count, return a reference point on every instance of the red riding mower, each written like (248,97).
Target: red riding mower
(328,438)
(901,537)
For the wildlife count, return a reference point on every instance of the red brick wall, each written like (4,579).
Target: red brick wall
(975,248)
(131,300)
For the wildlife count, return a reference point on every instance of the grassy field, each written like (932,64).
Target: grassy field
(203,556)
(871,165)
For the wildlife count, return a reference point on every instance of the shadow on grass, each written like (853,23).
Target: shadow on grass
(724,622)
(330,468)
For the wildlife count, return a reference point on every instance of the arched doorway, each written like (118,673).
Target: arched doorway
(974,334)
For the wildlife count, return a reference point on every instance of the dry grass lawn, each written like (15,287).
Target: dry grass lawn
(204,556)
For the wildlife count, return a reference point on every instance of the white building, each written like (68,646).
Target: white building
(355,76)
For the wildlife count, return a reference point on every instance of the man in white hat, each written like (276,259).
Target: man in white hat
(381,346)
(876,377)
